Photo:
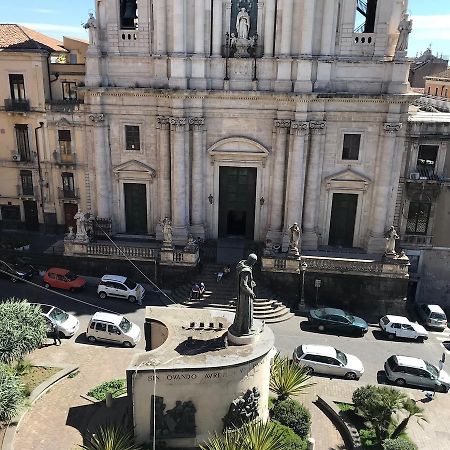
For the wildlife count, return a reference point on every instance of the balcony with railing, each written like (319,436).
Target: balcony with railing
(67,105)
(17,105)
(25,190)
(64,158)
(416,240)
(68,194)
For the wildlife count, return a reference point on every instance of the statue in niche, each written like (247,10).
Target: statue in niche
(405,27)
(391,237)
(243,319)
(294,239)
(243,24)
(242,410)
(91,26)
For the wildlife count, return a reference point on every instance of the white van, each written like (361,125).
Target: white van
(113,328)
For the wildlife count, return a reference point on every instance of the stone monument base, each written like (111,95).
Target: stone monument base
(246,339)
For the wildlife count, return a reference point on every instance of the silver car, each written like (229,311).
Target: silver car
(329,361)
(67,323)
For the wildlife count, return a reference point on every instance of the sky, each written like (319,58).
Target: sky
(431,20)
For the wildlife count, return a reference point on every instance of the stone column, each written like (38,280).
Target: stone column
(312,189)
(260,25)
(296,179)
(217,28)
(178,30)
(161,27)
(178,126)
(163,130)
(304,66)
(103,165)
(198,201)
(286,28)
(199,43)
(383,189)
(278,180)
(269,28)
(326,46)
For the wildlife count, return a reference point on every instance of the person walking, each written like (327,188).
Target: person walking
(55,333)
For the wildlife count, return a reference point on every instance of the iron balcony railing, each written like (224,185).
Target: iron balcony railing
(15,105)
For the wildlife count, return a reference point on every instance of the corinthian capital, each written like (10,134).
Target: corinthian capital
(162,122)
(197,122)
(392,127)
(282,124)
(97,118)
(317,127)
(178,122)
(300,127)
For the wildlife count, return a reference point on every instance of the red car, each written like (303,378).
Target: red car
(63,279)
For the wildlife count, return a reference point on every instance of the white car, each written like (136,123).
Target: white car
(67,323)
(401,327)
(113,328)
(329,361)
(121,287)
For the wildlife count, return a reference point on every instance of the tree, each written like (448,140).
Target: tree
(22,329)
(376,405)
(110,438)
(413,410)
(11,393)
(287,378)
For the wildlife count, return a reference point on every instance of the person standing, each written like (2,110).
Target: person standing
(55,333)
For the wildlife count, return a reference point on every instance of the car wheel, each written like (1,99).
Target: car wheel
(400,382)
(444,389)
(102,295)
(351,376)
(321,327)
(131,299)
(391,336)
(47,286)
(421,339)
(127,344)
(92,339)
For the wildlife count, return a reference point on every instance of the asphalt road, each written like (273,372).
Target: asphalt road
(373,349)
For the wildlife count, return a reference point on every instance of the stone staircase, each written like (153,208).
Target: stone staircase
(222,295)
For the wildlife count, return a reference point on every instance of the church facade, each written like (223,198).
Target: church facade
(240,118)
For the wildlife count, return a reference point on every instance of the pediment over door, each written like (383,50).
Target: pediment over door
(238,148)
(134,170)
(347,180)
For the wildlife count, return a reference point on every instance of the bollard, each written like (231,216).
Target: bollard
(311,443)
(109,400)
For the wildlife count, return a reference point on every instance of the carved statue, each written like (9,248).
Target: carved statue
(81,219)
(243,24)
(91,25)
(405,27)
(391,237)
(191,246)
(294,238)
(167,232)
(243,319)
(242,410)
(71,234)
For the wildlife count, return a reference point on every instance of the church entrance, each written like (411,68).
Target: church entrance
(135,208)
(237,191)
(342,222)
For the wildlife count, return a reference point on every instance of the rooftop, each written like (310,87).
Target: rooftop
(444,74)
(17,37)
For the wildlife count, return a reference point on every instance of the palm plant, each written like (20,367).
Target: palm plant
(111,438)
(287,378)
(413,410)
(257,435)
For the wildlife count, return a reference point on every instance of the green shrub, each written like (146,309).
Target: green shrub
(398,444)
(100,391)
(11,394)
(294,415)
(293,440)
(368,438)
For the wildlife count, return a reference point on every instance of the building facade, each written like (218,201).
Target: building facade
(239,118)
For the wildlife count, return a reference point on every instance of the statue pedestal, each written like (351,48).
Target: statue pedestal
(246,339)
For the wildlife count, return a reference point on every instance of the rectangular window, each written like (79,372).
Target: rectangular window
(418,218)
(69,90)
(129,14)
(23,143)
(426,160)
(132,138)
(26,177)
(10,213)
(68,183)
(64,142)
(17,86)
(350,149)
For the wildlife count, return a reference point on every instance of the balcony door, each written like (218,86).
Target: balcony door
(135,195)
(31,215)
(342,222)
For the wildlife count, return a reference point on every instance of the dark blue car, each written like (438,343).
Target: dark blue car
(334,319)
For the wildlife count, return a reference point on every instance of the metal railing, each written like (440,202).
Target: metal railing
(12,104)
(64,158)
(25,191)
(416,239)
(72,194)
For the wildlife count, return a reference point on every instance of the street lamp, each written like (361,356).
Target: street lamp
(303,267)
(317,285)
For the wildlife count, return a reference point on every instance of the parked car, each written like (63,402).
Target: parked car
(433,316)
(403,370)
(329,361)
(16,271)
(121,287)
(63,279)
(337,320)
(399,326)
(67,323)
(113,328)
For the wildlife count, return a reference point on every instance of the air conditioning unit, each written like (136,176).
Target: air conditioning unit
(16,157)
(414,175)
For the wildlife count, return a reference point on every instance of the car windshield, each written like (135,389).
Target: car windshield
(438,316)
(71,276)
(341,357)
(130,284)
(125,325)
(58,315)
(385,320)
(433,370)
(349,317)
